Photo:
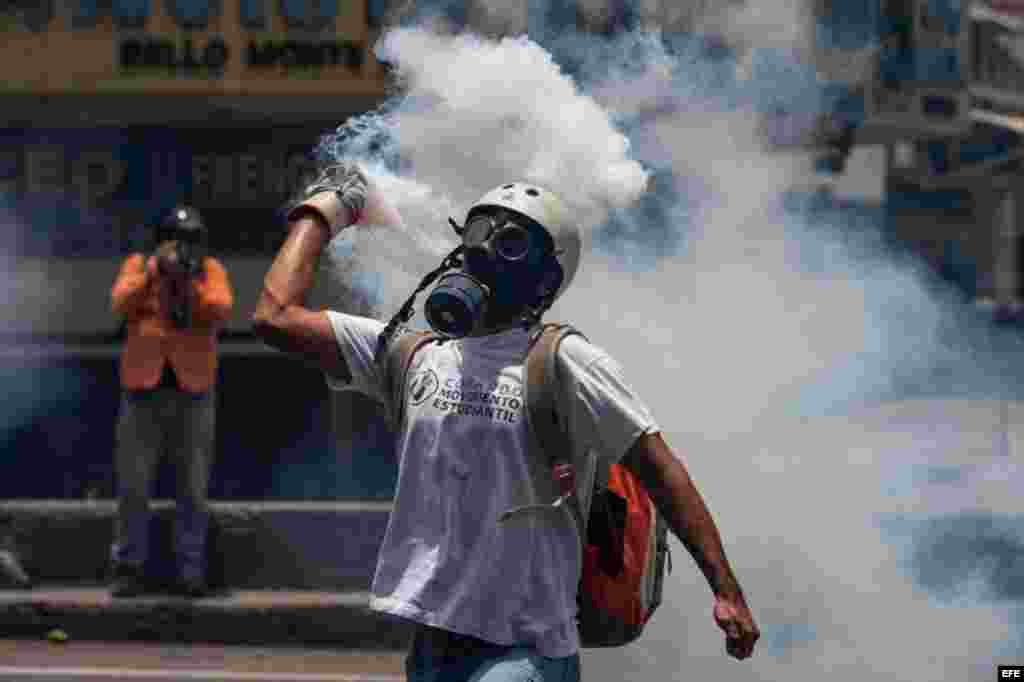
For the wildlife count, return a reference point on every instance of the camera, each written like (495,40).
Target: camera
(184,261)
(182,229)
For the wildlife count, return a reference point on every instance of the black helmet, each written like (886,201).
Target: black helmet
(182,223)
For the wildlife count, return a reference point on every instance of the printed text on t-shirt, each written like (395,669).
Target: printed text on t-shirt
(499,401)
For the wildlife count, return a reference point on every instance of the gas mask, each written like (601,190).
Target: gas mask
(520,250)
(507,272)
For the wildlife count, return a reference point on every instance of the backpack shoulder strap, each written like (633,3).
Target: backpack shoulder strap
(551,445)
(397,359)
(540,385)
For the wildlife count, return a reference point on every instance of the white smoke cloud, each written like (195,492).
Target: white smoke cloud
(747,328)
(496,109)
(475,113)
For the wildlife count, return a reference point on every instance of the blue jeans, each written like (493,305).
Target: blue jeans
(439,656)
(164,422)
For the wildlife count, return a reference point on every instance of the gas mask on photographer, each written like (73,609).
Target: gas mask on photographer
(520,250)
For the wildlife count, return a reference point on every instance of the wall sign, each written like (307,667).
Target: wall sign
(238,46)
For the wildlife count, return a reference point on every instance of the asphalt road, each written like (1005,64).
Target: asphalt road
(42,661)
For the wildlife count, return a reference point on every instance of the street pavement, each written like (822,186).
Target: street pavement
(45,661)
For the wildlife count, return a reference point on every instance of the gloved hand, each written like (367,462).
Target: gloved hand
(339,191)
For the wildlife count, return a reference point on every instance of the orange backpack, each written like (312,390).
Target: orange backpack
(625,547)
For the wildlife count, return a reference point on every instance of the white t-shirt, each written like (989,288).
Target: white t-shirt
(446,560)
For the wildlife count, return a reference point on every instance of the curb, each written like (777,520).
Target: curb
(262,617)
(327,546)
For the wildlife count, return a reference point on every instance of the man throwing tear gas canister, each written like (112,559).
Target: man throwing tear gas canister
(493,548)
(174,303)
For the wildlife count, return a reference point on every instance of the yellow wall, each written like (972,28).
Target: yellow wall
(60,59)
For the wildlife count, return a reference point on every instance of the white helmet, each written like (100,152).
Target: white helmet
(545,208)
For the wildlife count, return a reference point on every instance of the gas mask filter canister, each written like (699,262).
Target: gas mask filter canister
(455,304)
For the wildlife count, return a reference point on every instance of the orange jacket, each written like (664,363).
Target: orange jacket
(152,339)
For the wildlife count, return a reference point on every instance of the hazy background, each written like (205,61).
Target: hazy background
(850,422)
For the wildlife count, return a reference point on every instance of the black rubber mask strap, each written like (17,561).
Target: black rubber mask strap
(451,262)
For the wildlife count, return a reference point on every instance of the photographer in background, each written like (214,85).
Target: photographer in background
(174,303)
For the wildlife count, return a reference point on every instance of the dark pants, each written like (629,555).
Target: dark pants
(440,656)
(161,422)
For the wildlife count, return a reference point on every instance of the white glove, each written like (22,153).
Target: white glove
(338,191)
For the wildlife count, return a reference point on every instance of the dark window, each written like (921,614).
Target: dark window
(309,14)
(86,14)
(847,24)
(192,14)
(130,13)
(253,13)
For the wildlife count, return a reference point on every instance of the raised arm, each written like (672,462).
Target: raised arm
(668,482)
(340,197)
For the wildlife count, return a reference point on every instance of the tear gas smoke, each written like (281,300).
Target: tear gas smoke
(778,349)
(474,113)
(27,395)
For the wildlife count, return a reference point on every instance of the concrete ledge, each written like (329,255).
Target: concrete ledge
(341,620)
(301,546)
